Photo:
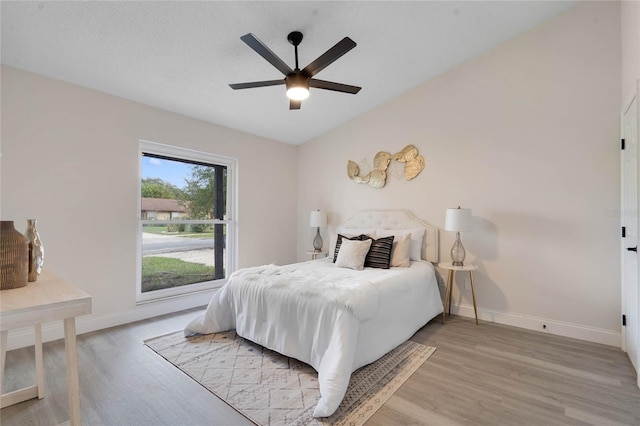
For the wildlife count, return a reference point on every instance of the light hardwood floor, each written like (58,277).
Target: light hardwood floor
(488,374)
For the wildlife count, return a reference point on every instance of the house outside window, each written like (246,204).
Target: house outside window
(162,208)
(186,221)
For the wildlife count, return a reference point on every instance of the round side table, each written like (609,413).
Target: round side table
(314,254)
(448,293)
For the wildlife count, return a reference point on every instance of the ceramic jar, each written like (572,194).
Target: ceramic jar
(14,257)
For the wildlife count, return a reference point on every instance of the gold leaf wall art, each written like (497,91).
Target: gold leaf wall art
(377,178)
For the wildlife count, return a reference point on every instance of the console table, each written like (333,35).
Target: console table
(48,299)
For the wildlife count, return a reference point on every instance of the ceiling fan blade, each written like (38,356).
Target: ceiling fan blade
(293,104)
(236,86)
(262,50)
(336,87)
(328,57)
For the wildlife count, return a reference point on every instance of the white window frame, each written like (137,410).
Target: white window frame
(231,252)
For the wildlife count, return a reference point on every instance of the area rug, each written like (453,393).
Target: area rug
(271,389)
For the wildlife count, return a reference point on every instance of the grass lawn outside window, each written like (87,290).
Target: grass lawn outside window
(161,272)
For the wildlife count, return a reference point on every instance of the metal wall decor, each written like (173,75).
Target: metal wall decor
(377,178)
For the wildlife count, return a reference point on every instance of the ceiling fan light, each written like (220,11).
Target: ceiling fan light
(297,86)
(297,93)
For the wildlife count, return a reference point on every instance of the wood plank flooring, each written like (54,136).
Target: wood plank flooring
(479,375)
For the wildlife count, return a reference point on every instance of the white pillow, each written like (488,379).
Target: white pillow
(352,254)
(401,252)
(348,232)
(417,235)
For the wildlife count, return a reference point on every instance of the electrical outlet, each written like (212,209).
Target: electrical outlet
(467,284)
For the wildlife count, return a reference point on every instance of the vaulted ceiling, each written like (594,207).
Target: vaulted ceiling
(180,56)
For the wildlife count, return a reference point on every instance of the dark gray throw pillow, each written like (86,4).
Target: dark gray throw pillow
(379,255)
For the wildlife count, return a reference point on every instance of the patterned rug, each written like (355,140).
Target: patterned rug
(271,389)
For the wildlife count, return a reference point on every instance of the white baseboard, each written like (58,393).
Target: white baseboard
(54,330)
(576,331)
(23,337)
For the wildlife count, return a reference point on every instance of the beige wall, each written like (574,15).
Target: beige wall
(630,15)
(526,136)
(70,159)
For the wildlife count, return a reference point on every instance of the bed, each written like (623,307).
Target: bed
(333,318)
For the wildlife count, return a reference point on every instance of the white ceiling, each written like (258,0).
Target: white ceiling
(181,56)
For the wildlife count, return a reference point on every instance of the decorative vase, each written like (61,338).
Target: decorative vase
(36,250)
(14,257)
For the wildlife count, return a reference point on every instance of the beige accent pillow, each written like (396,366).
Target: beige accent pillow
(352,254)
(401,252)
(417,236)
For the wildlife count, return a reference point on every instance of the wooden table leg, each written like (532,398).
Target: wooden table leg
(73,385)
(452,280)
(447,295)
(24,394)
(473,293)
(39,359)
(444,303)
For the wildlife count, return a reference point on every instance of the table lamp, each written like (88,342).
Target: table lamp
(317,220)
(458,220)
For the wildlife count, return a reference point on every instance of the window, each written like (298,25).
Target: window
(186,222)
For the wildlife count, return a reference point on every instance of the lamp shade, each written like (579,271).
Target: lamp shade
(458,220)
(317,219)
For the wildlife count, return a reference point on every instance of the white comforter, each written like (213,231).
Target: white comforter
(334,319)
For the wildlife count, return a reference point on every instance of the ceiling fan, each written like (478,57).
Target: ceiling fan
(299,80)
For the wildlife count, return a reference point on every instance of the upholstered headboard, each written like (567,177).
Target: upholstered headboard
(398,219)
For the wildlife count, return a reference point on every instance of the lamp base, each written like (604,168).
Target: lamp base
(317,241)
(458,252)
